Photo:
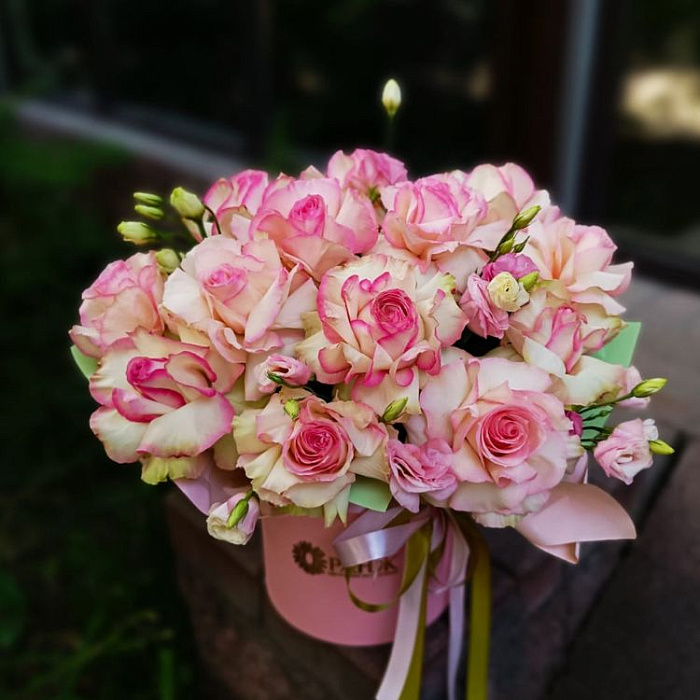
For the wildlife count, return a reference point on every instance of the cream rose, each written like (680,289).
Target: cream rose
(507,293)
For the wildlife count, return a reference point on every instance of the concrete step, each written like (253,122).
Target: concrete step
(642,641)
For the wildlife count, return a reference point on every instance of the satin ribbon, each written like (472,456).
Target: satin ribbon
(436,549)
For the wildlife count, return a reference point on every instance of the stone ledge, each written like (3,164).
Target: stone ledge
(249,652)
(642,639)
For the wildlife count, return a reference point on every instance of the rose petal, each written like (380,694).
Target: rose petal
(189,430)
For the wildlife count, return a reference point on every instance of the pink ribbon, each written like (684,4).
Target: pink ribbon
(370,537)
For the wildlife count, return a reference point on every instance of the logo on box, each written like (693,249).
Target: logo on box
(313,560)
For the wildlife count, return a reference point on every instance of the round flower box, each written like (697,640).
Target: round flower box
(307,585)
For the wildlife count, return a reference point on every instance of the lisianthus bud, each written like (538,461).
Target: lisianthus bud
(525,218)
(168,260)
(152,200)
(506,292)
(529,281)
(391,97)
(507,246)
(186,204)
(149,212)
(291,408)
(659,447)
(394,410)
(137,232)
(238,512)
(649,387)
(520,247)
(234,520)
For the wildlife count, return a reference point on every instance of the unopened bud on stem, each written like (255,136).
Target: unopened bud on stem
(238,512)
(506,247)
(659,447)
(149,212)
(186,204)
(525,218)
(291,408)
(394,410)
(649,387)
(529,281)
(152,200)
(137,232)
(520,247)
(391,97)
(168,260)
(275,378)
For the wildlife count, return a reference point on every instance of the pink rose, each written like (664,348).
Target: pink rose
(382,323)
(578,260)
(420,470)
(506,436)
(239,296)
(310,459)
(590,381)
(235,201)
(553,335)
(237,533)
(364,170)
(123,298)
(508,189)
(436,216)
(626,452)
(315,224)
(483,317)
(292,372)
(318,449)
(161,399)
(510,439)
(517,264)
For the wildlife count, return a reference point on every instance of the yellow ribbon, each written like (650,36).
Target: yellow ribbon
(479,612)
(417,551)
(419,562)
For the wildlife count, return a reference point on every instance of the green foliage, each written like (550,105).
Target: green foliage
(88,600)
(12,611)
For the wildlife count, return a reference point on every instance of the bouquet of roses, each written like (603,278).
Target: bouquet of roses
(415,355)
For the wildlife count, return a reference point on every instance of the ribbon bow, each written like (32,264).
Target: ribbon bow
(442,552)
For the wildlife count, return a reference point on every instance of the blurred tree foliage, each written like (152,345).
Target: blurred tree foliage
(665,32)
(88,600)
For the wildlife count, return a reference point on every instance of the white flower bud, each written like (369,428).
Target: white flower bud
(391,97)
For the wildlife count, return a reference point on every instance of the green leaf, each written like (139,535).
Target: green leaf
(87,365)
(13,611)
(370,493)
(620,350)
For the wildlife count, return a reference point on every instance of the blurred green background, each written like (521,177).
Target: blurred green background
(88,605)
